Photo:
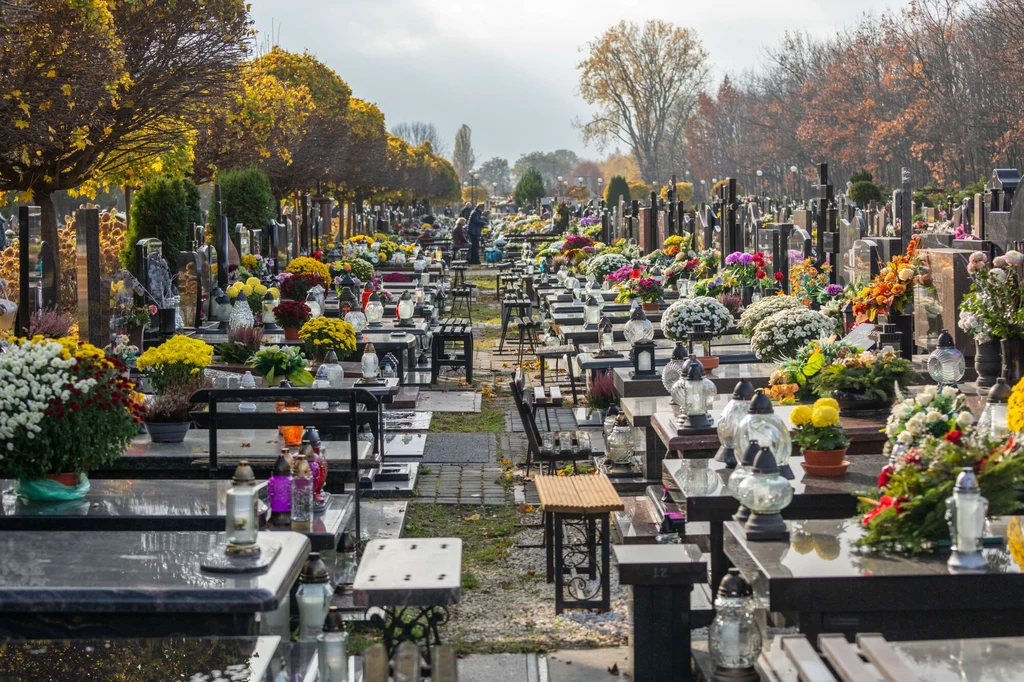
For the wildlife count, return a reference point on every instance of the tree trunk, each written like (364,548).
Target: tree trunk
(49,234)
(129,192)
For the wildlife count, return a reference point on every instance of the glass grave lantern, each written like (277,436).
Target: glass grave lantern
(591,313)
(657,275)
(314,597)
(332,648)
(765,493)
(684,286)
(562,274)
(673,370)
(269,319)
(321,381)
(728,424)
(406,309)
(609,420)
(637,270)
(744,465)
(570,282)
(279,491)
(767,428)
(642,356)
(946,364)
(357,319)
(313,302)
(993,419)
(965,514)
(302,495)
(248,382)
(692,398)
(370,365)
(374,310)
(420,264)
(241,313)
(364,297)
(638,328)
(241,523)
(734,637)
(620,443)
(347,301)
(605,338)
(700,339)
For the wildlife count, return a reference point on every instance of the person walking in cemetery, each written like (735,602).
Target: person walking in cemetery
(477,222)
(467,209)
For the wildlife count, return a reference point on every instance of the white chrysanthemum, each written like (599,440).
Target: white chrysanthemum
(781,334)
(678,321)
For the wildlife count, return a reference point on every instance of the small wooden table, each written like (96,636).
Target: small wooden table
(575,503)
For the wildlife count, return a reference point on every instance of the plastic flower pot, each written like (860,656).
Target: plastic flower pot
(824,458)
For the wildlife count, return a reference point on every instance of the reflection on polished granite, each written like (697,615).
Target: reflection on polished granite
(997,659)
(250,443)
(249,659)
(137,572)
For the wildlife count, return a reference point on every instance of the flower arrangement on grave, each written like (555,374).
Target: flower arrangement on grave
(993,308)
(723,283)
(647,289)
(601,391)
(395,278)
(620,276)
(254,291)
(172,407)
(891,289)
(743,267)
(291,314)
(386,249)
(682,268)
(872,374)
(676,244)
(766,307)
(810,284)
(907,512)
(281,362)
(732,302)
(678,321)
(782,334)
(818,428)
(256,264)
(1015,408)
(356,267)
(370,257)
(365,240)
(323,334)
(605,264)
(121,348)
(241,344)
(576,243)
(796,378)
(932,413)
(304,265)
(67,409)
(174,361)
(297,287)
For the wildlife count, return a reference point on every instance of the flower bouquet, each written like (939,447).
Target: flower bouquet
(993,308)
(907,513)
(66,409)
(254,291)
(891,289)
(122,349)
(242,343)
(864,383)
(291,315)
(304,265)
(647,289)
(605,264)
(821,438)
(620,276)
(764,308)
(810,284)
(933,412)
(281,362)
(682,268)
(796,377)
(743,267)
(676,244)
(718,285)
(297,287)
(678,321)
(323,334)
(782,334)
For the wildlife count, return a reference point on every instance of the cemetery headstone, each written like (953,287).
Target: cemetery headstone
(944,283)
(93,288)
(30,292)
(849,233)
(863,262)
(907,211)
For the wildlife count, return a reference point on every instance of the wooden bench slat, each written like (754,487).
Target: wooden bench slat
(806,660)
(407,663)
(845,659)
(878,651)
(375,664)
(589,494)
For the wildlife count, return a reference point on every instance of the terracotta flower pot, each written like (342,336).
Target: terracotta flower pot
(650,307)
(824,458)
(709,361)
(291,333)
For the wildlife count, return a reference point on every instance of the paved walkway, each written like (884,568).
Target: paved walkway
(570,665)
(462,484)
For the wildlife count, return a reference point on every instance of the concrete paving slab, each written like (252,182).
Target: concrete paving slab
(590,665)
(498,668)
(448,401)
(463,448)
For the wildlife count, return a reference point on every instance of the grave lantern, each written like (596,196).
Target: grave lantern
(637,270)
(684,286)
(993,419)
(639,328)
(279,491)
(346,301)
(332,648)
(700,336)
(692,398)
(562,274)
(314,596)
(744,466)
(591,313)
(609,420)
(965,514)
(223,308)
(248,382)
(256,241)
(243,239)
(620,442)
(728,424)
(642,356)
(657,275)
(356,318)
(764,426)
(241,313)
(734,637)
(946,364)
(302,494)
(240,512)
(571,283)
(606,338)
(673,371)
(269,319)
(365,296)
(406,309)
(374,310)
(889,338)
(765,493)
(313,303)
(370,364)
(420,264)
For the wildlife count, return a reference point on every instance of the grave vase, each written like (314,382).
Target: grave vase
(135,334)
(905,325)
(748,295)
(988,362)
(167,432)
(1013,362)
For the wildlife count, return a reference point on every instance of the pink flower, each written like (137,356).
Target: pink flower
(152,309)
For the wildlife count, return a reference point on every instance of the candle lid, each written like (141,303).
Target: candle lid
(314,571)
(334,621)
(733,585)
(281,467)
(764,462)
(744,390)
(243,474)
(966,482)
(750,453)
(761,404)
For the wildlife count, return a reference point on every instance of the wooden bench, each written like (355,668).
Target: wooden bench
(576,504)
(547,446)
(408,664)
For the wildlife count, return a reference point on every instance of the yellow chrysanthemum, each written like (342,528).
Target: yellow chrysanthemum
(275,291)
(246,289)
(306,265)
(825,416)
(1015,411)
(801,415)
(259,289)
(249,262)
(826,402)
(252,282)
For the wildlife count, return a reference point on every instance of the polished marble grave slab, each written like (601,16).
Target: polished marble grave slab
(407,420)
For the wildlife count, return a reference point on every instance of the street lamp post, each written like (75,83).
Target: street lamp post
(796,179)
(600,187)
(760,182)
(559,188)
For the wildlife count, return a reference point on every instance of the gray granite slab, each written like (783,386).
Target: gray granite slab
(249,443)
(407,420)
(409,572)
(404,446)
(460,447)
(449,401)
(135,572)
(383,519)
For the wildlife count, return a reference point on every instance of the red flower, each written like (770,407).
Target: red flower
(885,476)
(759,259)
(760,274)
(778,276)
(885,503)
(953,436)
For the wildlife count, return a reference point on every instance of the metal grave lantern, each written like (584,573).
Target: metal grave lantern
(406,309)
(241,552)
(993,420)
(642,356)
(700,337)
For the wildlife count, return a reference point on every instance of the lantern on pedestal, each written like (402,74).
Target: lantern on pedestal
(692,398)
(420,264)
(965,514)
(993,420)
(729,423)
(673,371)
(764,426)
(374,310)
(364,297)
(370,364)
(946,364)
(700,337)
(406,309)
(346,301)
(734,637)
(269,320)
(642,356)
(639,328)
(620,443)
(242,526)
(591,313)
(314,597)
(570,282)
(606,339)
(332,648)
(765,493)
(744,465)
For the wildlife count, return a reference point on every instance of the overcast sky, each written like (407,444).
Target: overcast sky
(507,68)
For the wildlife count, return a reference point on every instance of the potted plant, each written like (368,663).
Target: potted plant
(242,343)
(993,314)
(297,287)
(167,414)
(281,362)
(168,366)
(323,334)
(601,393)
(821,438)
(782,334)
(67,409)
(647,289)
(864,384)
(291,315)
